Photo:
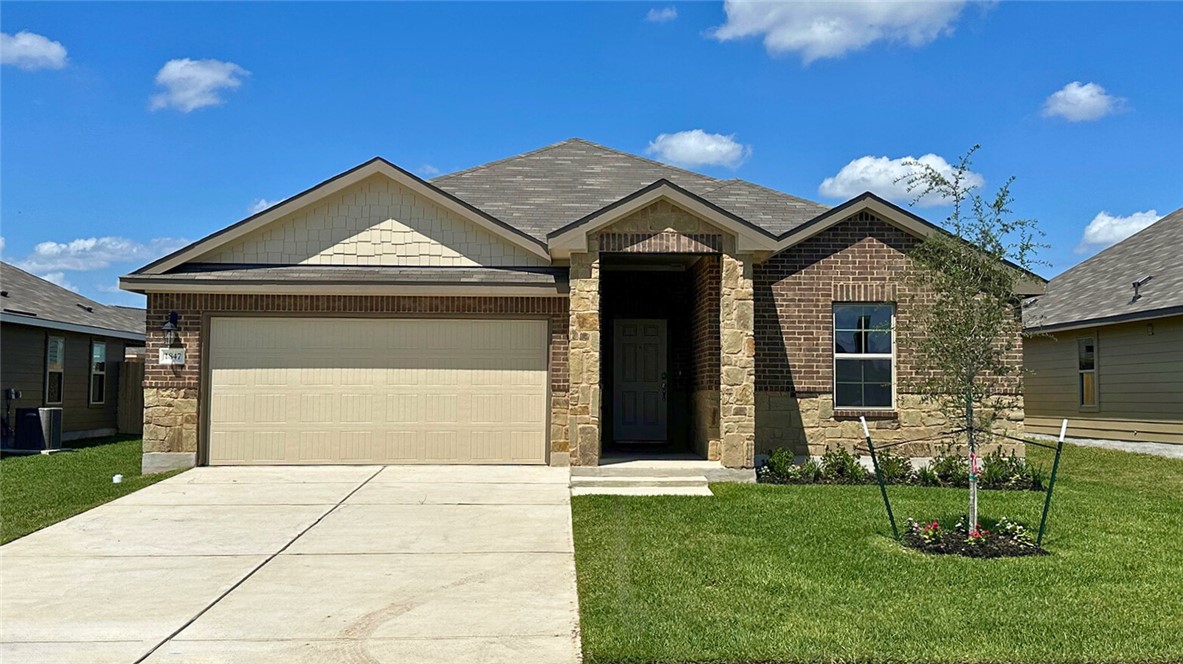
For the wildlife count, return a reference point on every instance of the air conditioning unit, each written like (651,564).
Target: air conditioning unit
(38,428)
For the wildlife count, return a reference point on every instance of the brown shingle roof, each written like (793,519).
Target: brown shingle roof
(546,189)
(1100,289)
(43,301)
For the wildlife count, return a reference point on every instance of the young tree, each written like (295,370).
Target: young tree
(964,333)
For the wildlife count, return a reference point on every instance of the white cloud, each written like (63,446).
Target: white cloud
(1082,102)
(192,84)
(819,30)
(59,278)
(887,178)
(663,15)
(95,253)
(427,170)
(1106,229)
(1,245)
(698,148)
(29,51)
(260,205)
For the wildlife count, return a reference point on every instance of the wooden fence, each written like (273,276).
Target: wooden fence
(131,397)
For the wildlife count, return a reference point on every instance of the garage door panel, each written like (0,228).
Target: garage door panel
(289,390)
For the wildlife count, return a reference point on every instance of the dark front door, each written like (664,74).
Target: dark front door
(639,394)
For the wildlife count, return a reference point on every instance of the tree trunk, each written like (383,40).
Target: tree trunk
(973,459)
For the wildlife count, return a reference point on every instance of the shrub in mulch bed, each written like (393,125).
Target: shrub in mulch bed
(1006,539)
(837,466)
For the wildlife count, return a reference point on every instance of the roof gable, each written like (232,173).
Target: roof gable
(374,222)
(573,236)
(334,185)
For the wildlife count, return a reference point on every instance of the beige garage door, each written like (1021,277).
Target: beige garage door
(332,390)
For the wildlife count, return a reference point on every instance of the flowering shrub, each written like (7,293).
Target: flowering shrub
(929,533)
(1007,539)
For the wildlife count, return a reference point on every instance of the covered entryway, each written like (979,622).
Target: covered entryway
(661,349)
(286,390)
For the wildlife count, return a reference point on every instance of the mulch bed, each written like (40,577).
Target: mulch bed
(954,543)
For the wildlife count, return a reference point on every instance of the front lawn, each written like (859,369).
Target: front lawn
(764,573)
(39,490)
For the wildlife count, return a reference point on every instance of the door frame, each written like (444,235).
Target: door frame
(616,374)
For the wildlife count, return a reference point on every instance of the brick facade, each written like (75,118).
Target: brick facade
(862,259)
(171,421)
(753,364)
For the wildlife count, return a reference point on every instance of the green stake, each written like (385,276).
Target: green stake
(1051,483)
(879,477)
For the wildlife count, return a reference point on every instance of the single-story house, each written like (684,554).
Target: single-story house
(550,307)
(61,350)
(1106,342)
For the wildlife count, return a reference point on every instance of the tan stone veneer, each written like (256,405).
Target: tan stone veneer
(737,392)
(808,425)
(732,439)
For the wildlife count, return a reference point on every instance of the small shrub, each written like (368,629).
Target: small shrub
(811,471)
(927,476)
(894,468)
(952,469)
(842,467)
(781,461)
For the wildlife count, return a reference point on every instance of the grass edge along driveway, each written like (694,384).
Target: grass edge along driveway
(810,573)
(39,490)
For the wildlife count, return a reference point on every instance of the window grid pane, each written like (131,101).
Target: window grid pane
(863,350)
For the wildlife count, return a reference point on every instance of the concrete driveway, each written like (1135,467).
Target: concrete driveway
(304,564)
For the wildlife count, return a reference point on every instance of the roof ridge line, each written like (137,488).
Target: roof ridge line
(645,159)
(1106,250)
(472,169)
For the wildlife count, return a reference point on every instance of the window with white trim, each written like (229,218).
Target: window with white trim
(1086,366)
(55,369)
(864,356)
(98,372)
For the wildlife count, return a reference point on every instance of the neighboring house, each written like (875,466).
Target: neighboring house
(62,350)
(1107,352)
(550,307)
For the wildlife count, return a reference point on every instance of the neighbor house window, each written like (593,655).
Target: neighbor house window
(98,372)
(55,367)
(863,360)
(1086,354)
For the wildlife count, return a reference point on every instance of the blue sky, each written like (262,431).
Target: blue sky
(111,156)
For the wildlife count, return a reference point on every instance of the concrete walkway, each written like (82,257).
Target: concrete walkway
(1168,450)
(304,564)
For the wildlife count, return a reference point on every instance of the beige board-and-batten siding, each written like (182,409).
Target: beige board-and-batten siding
(1139,382)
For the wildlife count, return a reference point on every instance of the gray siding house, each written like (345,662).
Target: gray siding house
(62,350)
(1106,349)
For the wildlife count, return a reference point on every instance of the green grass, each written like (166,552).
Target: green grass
(39,490)
(810,573)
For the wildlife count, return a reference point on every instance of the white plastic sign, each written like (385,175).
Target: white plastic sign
(172,356)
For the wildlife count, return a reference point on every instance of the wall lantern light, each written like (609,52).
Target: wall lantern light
(170,329)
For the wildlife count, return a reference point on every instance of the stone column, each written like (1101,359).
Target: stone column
(737,389)
(584,361)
